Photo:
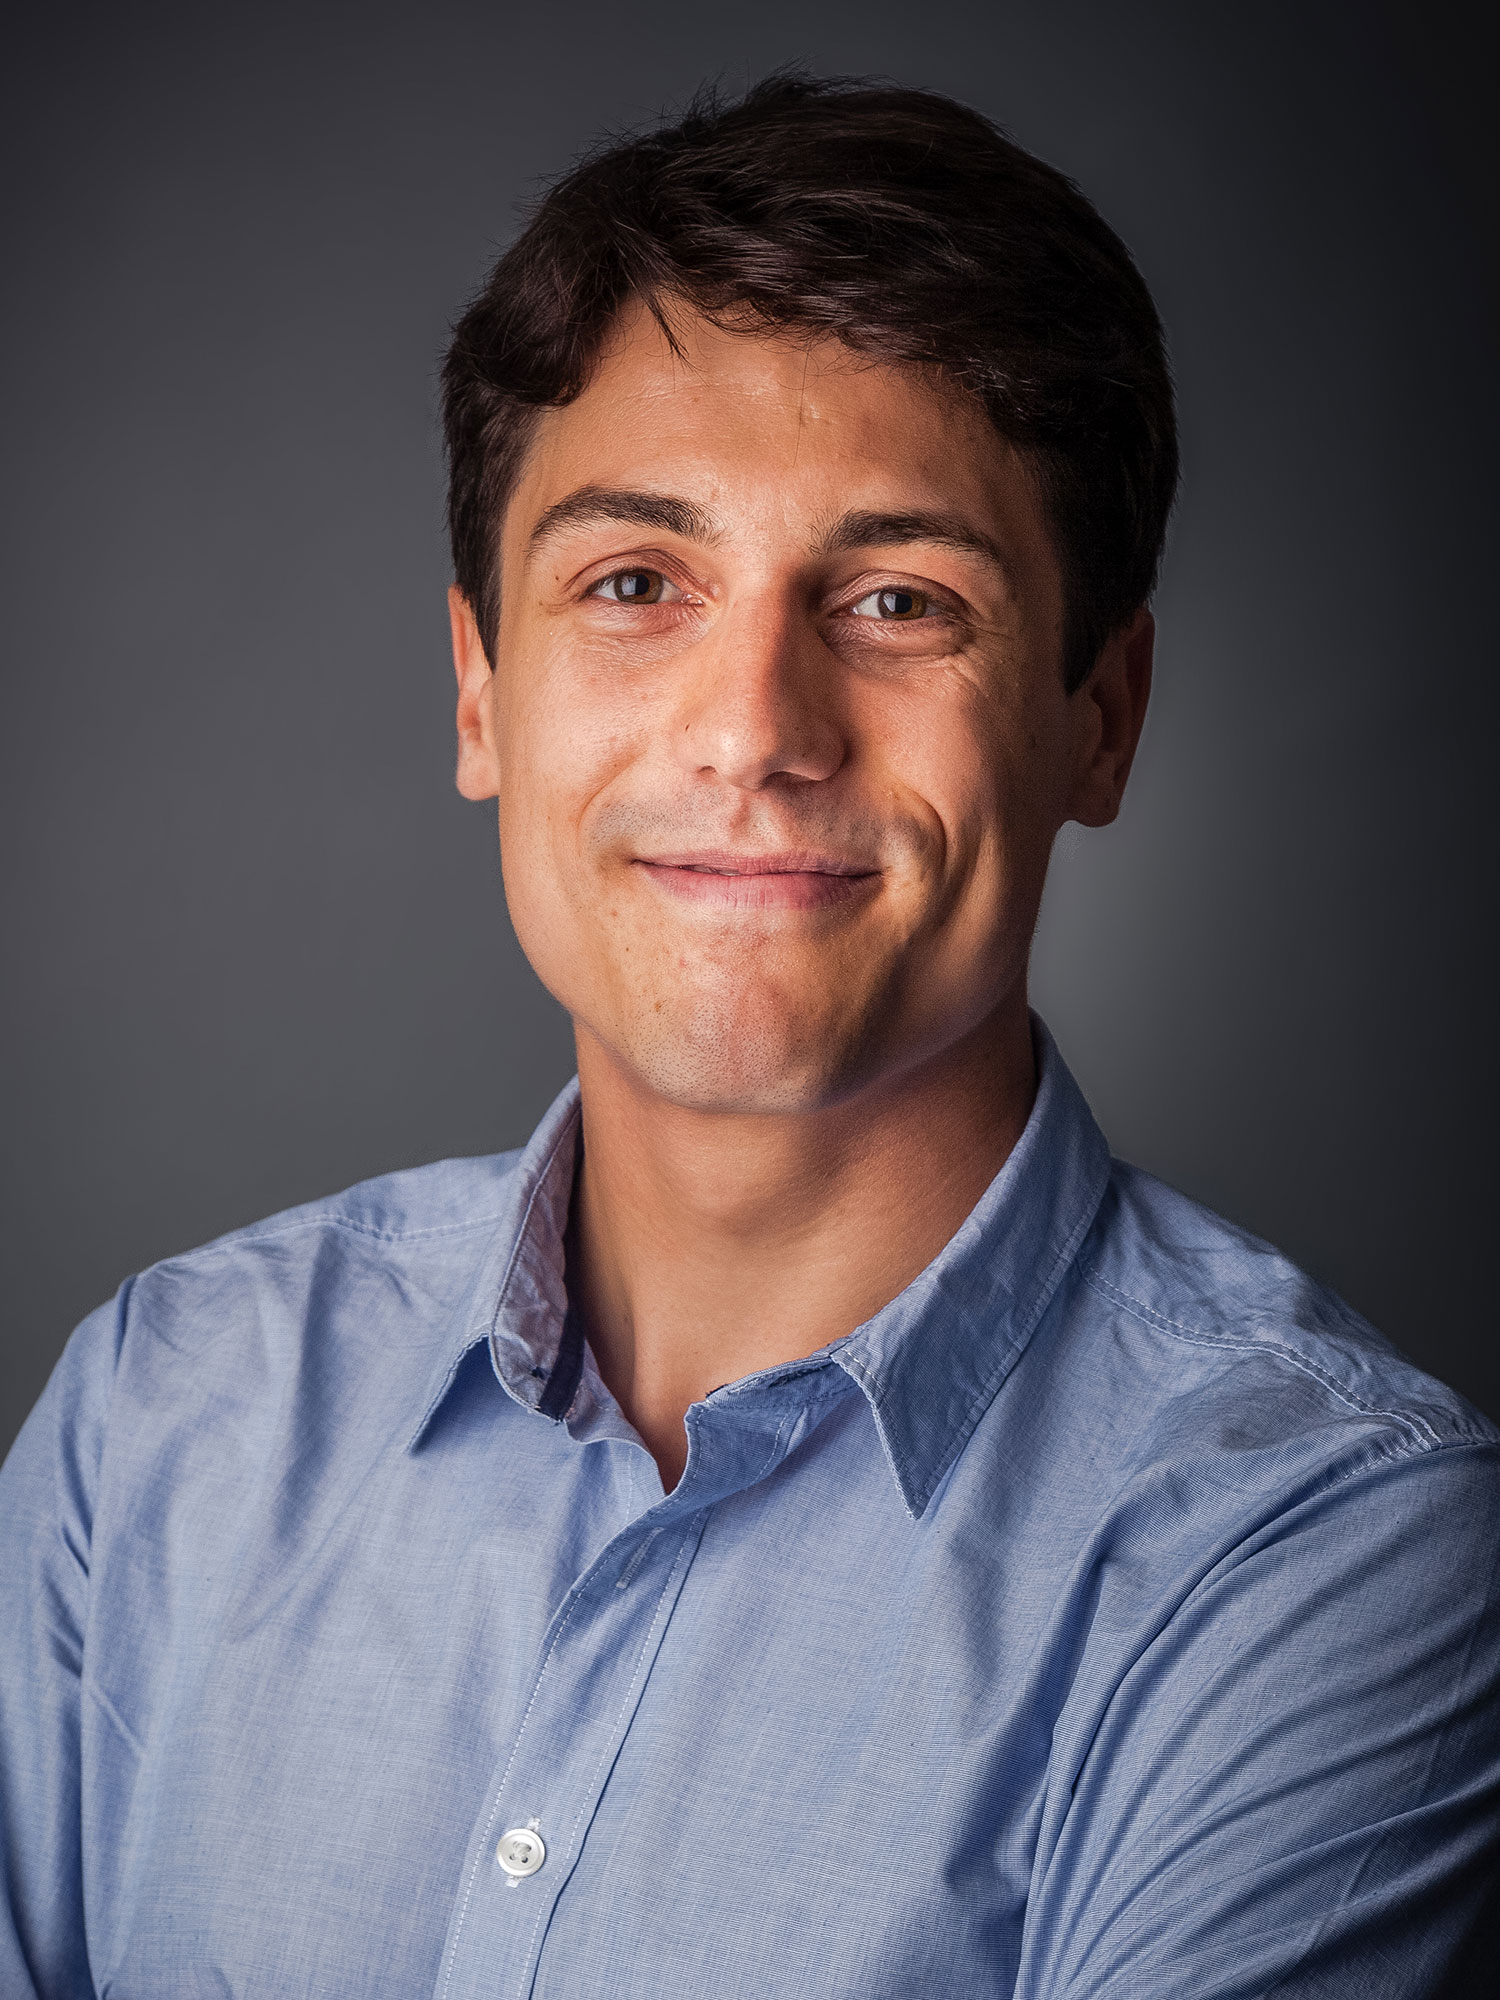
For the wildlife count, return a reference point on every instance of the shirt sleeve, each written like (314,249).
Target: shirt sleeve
(1295,1790)
(47,1491)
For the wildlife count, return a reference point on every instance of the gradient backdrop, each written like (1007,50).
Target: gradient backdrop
(255,945)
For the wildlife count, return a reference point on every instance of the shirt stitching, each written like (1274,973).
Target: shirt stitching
(476,1330)
(515,1750)
(542,1173)
(610,1745)
(922,1490)
(247,1239)
(1410,1452)
(781,1430)
(1419,1429)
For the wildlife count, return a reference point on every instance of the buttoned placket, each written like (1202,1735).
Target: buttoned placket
(604,1637)
(596,1657)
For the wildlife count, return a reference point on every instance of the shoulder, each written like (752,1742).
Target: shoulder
(415,1223)
(293,1309)
(1209,1426)
(415,1219)
(406,1206)
(1231,1334)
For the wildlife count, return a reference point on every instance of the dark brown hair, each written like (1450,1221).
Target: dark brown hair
(899,221)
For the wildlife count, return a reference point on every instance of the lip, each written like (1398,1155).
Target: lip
(785,881)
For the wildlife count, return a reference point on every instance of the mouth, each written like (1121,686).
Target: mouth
(787,881)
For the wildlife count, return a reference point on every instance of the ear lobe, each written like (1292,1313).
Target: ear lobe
(478,773)
(1114,709)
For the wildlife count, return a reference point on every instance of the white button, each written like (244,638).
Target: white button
(521,1851)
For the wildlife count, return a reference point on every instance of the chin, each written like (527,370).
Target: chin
(738,1064)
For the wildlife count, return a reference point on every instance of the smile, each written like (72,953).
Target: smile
(760,881)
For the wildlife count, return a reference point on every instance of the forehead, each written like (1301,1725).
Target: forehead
(772,425)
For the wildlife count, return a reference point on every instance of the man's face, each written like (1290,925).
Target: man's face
(776,722)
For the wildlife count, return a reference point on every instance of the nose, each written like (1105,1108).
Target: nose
(759,703)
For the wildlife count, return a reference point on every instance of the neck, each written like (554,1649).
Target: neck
(705,1246)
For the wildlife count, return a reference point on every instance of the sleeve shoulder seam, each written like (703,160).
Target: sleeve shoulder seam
(258,1233)
(1421,1433)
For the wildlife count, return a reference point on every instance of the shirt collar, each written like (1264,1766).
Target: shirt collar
(518,1298)
(929,1363)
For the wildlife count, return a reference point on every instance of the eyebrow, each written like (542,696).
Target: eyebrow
(863,530)
(666,511)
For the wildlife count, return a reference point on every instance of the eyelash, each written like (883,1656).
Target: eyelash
(923,598)
(932,608)
(597,588)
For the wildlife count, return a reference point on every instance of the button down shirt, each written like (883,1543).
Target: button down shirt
(1111,1617)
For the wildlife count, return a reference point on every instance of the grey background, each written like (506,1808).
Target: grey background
(255,946)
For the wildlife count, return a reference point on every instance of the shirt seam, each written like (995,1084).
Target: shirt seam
(515,1750)
(499,1797)
(1409,1453)
(1417,1427)
(680,1564)
(261,1233)
(808,1402)
(481,1324)
(539,1181)
(1015,1345)
(97,1498)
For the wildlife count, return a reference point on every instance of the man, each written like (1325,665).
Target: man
(810,1524)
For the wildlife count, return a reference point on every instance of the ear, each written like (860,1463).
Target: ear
(1109,710)
(478,775)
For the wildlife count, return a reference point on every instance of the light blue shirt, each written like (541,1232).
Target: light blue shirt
(1112,1617)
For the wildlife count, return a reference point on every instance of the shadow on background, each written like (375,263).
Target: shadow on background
(256,946)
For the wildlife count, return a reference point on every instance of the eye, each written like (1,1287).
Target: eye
(636,586)
(894,602)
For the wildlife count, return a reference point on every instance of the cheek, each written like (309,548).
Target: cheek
(953,750)
(558,754)
(987,772)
